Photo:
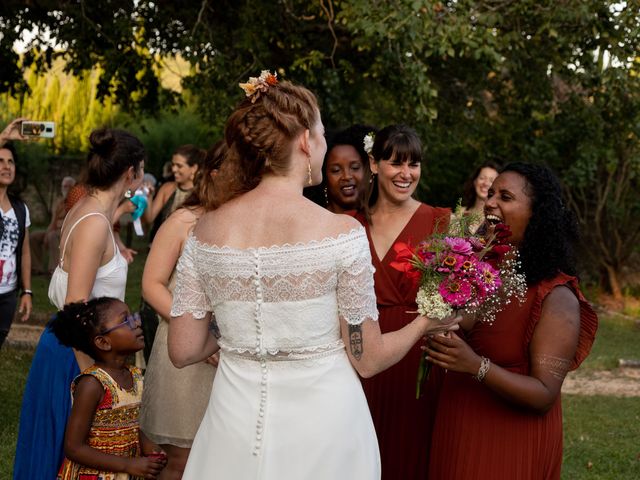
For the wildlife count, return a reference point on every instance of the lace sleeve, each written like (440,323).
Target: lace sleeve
(356,296)
(189,295)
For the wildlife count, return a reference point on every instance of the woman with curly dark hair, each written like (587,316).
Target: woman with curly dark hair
(501,395)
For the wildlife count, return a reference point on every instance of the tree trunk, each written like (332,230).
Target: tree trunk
(614,283)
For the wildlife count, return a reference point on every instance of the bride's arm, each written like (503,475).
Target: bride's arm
(190,340)
(371,351)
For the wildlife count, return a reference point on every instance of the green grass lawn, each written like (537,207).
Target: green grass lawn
(618,337)
(602,438)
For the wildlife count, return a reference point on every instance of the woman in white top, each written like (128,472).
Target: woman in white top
(290,285)
(90,266)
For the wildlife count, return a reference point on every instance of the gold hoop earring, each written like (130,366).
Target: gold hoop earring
(309,167)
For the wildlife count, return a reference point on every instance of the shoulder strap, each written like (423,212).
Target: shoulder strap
(64,247)
(20,210)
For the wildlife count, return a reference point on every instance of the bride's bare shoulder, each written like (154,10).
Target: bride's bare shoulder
(345,223)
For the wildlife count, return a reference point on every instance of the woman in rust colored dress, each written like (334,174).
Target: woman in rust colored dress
(506,423)
(401,421)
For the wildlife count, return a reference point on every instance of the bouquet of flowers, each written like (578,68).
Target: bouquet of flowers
(458,273)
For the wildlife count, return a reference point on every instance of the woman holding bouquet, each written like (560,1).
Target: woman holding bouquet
(393,215)
(499,414)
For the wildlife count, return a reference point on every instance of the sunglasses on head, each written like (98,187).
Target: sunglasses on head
(132,321)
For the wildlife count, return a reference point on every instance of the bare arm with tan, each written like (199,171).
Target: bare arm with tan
(163,257)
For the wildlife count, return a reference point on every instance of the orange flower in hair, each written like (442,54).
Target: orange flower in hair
(259,84)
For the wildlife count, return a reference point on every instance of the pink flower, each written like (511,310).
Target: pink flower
(459,245)
(469,266)
(456,291)
(489,277)
(450,262)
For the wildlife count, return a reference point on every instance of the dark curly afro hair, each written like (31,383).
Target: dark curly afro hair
(77,324)
(550,238)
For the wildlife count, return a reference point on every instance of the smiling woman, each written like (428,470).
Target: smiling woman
(392,214)
(503,382)
(346,171)
(15,255)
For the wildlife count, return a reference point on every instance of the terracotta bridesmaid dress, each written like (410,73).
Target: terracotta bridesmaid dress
(403,424)
(477,434)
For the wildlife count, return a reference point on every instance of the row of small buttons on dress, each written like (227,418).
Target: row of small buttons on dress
(260,351)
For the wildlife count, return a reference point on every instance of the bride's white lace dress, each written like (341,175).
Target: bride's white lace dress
(286,402)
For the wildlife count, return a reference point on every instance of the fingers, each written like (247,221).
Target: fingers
(25,308)
(446,341)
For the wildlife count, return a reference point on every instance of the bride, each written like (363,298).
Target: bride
(285,285)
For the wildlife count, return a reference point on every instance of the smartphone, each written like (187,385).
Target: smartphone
(38,129)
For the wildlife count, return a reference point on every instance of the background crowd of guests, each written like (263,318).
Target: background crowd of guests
(512,418)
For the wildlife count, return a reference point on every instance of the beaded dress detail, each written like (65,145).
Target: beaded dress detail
(286,402)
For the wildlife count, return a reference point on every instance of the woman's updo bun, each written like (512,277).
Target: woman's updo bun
(102,141)
(112,152)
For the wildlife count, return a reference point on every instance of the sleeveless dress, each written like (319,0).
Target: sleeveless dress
(402,422)
(115,428)
(150,318)
(46,402)
(478,435)
(286,403)
(182,391)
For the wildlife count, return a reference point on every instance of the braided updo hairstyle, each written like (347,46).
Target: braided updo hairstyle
(259,135)
(77,324)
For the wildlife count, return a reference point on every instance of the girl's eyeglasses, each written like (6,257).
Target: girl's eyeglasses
(132,321)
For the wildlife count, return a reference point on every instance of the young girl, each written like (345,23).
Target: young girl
(103,440)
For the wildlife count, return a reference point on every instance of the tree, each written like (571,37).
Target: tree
(550,81)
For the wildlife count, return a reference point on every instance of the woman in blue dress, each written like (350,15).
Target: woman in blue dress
(91,265)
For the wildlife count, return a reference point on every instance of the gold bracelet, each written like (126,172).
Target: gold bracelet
(485,364)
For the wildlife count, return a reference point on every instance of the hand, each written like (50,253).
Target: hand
(12,132)
(433,325)
(213,359)
(128,254)
(25,307)
(451,352)
(146,467)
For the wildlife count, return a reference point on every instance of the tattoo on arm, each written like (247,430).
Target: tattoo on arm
(355,341)
(556,366)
